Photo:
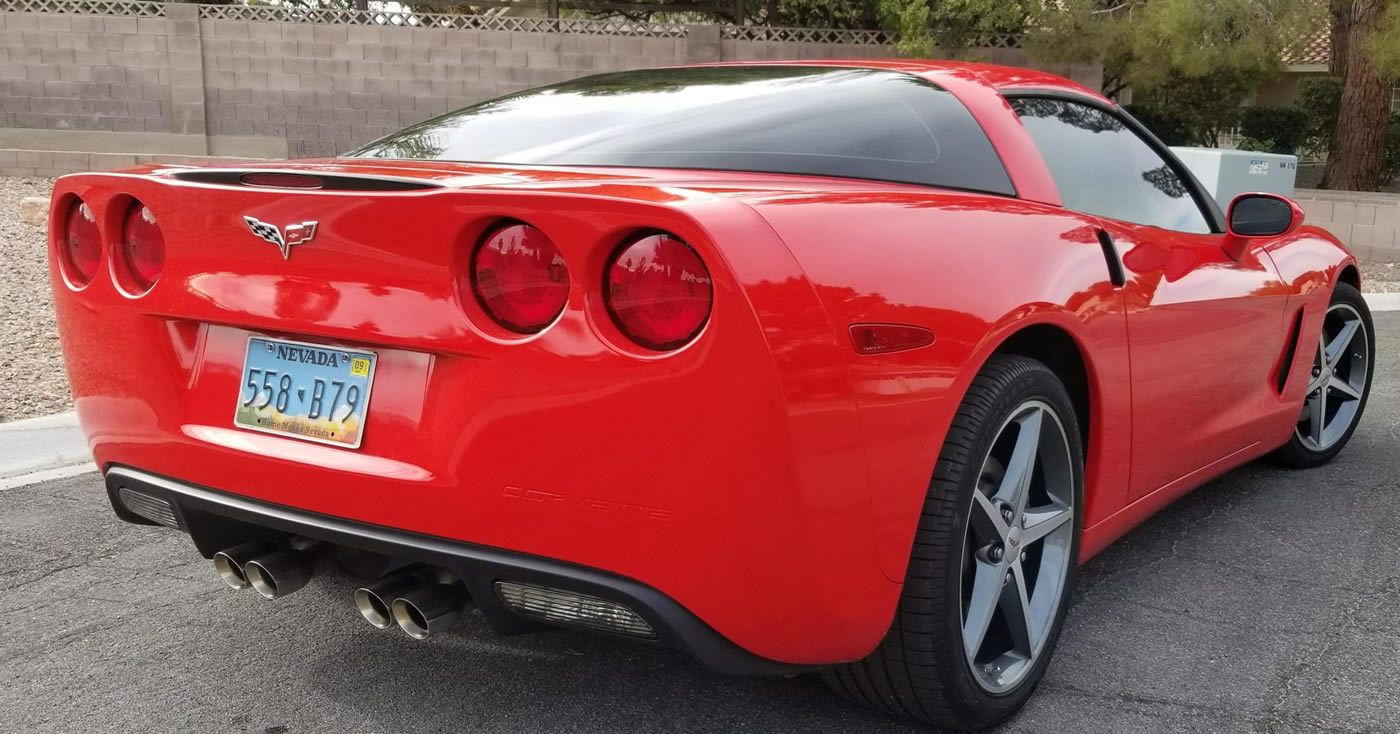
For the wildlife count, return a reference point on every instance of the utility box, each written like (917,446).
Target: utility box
(1229,173)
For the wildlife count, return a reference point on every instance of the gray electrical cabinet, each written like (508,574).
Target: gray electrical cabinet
(1229,173)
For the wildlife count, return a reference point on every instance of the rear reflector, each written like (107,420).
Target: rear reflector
(572,608)
(883,338)
(154,509)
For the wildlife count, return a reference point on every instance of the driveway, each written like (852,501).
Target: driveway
(1265,602)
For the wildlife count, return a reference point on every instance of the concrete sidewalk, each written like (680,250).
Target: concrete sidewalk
(37,444)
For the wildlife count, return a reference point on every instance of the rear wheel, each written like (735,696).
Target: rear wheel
(994,559)
(1338,384)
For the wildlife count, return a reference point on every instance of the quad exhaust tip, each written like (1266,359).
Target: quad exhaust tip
(420,601)
(271,571)
(230,562)
(375,601)
(279,573)
(429,609)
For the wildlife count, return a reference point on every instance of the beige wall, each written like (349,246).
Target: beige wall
(1368,223)
(186,79)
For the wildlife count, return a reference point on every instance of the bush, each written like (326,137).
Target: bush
(1278,129)
(1170,127)
(1390,169)
(1320,99)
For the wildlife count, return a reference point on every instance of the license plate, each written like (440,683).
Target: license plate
(306,391)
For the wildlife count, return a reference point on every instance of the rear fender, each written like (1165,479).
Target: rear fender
(975,270)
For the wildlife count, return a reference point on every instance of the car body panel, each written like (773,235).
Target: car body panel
(766,476)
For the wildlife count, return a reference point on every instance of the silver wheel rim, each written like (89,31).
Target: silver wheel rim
(1017,546)
(1338,381)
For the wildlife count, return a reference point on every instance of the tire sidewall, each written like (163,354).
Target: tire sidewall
(1295,452)
(1036,384)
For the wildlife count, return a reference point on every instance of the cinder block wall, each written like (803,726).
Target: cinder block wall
(1368,223)
(268,82)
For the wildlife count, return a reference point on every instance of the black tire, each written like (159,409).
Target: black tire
(1296,453)
(919,670)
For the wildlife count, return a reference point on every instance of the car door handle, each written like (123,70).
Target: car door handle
(1110,256)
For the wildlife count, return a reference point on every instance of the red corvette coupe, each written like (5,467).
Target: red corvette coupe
(838,366)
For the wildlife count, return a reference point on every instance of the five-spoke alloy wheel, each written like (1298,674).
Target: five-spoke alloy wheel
(994,558)
(1338,384)
(1017,553)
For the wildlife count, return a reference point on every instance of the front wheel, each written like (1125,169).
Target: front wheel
(1338,385)
(994,559)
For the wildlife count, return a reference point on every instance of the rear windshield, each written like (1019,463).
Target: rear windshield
(825,121)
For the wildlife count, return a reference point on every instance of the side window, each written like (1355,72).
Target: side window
(1102,167)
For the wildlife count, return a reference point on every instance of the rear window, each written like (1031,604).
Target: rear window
(825,121)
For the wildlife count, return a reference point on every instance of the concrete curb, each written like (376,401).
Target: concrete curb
(1383,301)
(36,444)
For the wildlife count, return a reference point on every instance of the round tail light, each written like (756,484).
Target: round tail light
(143,246)
(520,278)
(659,291)
(81,247)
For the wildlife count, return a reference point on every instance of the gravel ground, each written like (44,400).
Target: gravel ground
(31,368)
(1380,277)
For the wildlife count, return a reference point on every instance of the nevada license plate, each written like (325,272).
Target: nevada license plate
(306,391)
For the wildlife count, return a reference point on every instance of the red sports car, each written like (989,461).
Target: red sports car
(837,366)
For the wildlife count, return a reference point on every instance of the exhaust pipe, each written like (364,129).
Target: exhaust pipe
(429,608)
(375,601)
(279,573)
(230,562)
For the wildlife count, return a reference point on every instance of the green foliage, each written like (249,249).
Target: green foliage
(951,26)
(909,20)
(1384,43)
(1207,105)
(827,13)
(1166,124)
(1390,168)
(1201,58)
(1320,99)
(1274,129)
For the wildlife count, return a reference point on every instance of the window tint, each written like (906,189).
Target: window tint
(857,123)
(1102,167)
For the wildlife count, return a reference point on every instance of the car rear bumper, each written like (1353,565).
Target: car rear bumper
(216,520)
(730,475)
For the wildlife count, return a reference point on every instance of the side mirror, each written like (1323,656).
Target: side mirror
(1259,215)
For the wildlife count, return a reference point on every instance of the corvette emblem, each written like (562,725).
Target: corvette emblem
(293,234)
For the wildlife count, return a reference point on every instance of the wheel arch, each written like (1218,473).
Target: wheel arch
(1350,275)
(1088,360)
(1058,350)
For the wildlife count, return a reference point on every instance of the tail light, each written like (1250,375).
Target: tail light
(143,246)
(81,247)
(659,291)
(520,278)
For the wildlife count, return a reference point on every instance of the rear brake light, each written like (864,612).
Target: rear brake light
(520,278)
(81,247)
(143,246)
(659,291)
(281,180)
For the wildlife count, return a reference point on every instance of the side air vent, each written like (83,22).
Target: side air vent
(297,181)
(1289,350)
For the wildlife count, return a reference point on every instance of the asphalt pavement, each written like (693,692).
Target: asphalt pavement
(1264,602)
